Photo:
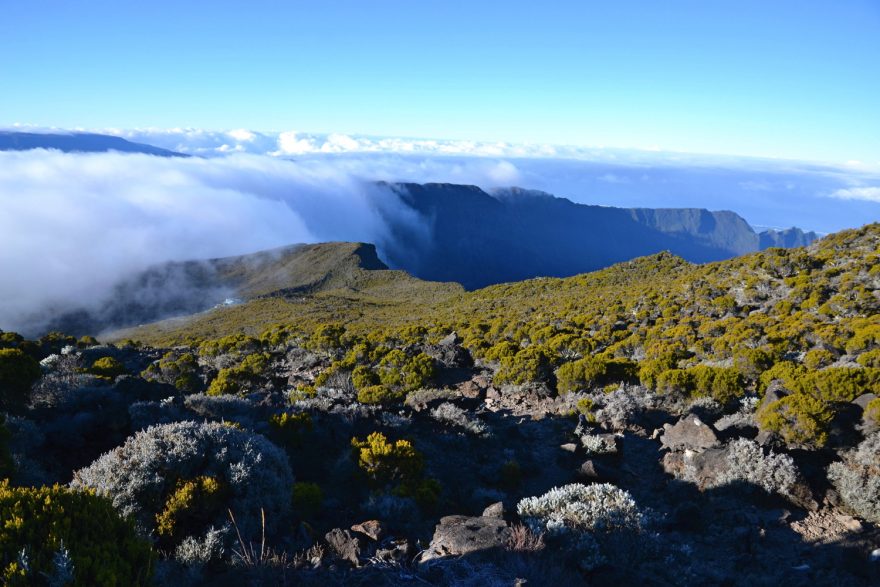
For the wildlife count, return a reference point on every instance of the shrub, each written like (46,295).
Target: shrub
(872,410)
(289,429)
(531,364)
(189,508)
(18,371)
(387,462)
(141,475)
(510,475)
(379,394)
(818,358)
(584,508)
(594,371)
(744,460)
(870,359)
(449,413)
(800,419)
(857,478)
(107,367)
(307,499)
(232,380)
(6,463)
(62,531)
(179,371)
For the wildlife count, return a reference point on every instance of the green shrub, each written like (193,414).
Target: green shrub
(872,411)
(363,377)
(87,341)
(18,371)
(107,367)
(307,499)
(289,430)
(531,364)
(870,359)
(6,463)
(386,462)
(180,371)
(326,337)
(102,548)
(800,419)
(510,476)
(675,381)
(818,358)
(379,394)
(233,380)
(593,371)
(192,505)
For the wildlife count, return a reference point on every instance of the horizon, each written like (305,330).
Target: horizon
(785,82)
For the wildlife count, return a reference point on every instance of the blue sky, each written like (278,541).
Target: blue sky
(793,79)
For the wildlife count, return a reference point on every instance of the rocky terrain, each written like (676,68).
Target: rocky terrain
(657,423)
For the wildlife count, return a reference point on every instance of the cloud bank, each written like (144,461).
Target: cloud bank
(72,225)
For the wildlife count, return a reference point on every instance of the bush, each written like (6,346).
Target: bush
(385,462)
(191,506)
(800,419)
(593,371)
(745,461)
(307,499)
(6,463)
(531,364)
(872,411)
(857,478)
(179,371)
(289,430)
(584,508)
(107,367)
(379,394)
(18,371)
(818,358)
(143,474)
(449,413)
(232,380)
(68,534)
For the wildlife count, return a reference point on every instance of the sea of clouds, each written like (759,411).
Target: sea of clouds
(72,225)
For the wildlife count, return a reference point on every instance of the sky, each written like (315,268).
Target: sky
(783,79)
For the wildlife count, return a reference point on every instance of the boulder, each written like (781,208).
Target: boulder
(690,433)
(345,545)
(460,535)
(592,470)
(496,510)
(372,529)
(863,400)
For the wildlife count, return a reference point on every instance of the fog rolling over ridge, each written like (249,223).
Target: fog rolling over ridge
(79,230)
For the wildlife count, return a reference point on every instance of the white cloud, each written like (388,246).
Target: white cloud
(870,194)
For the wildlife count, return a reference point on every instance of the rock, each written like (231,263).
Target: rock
(496,510)
(592,470)
(344,545)
(470,389)
(863,400)
(449,353)
(423,399)
(373,529)
(450,339)
(690,433)
(493,394)
(569,447)
(398,551)
(461,535)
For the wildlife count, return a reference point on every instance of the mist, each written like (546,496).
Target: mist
(74,225)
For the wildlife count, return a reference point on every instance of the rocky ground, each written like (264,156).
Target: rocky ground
(688,493)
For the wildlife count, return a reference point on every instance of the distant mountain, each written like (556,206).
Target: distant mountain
(788,238)
(479,239)
(77,143)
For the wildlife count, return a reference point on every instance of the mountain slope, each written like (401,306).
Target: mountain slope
(78,143)
(478,239)
(241,290)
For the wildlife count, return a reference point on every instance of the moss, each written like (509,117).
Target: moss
(104,548)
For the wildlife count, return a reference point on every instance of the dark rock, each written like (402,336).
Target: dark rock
(689,433)
(397,551)
(496,510)
(344,545)
(373,529)
(592,470)
(460,535)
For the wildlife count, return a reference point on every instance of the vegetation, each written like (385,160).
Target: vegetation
(69,536)
(18,371)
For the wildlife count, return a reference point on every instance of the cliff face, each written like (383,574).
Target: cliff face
(478,239)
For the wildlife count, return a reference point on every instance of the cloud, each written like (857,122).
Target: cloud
(73,225)
(869,194)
